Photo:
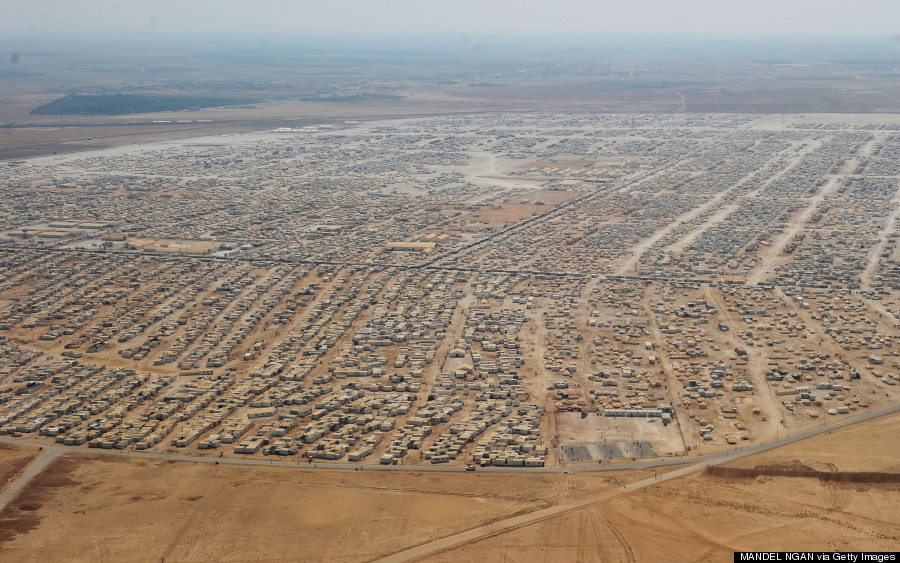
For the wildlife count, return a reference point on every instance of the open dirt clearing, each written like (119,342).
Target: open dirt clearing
(195,511)
(13,460)
(84,508)
(704,518)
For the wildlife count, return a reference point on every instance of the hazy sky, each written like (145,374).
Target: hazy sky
(481,19)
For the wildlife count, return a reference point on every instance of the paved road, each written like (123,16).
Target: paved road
(50,452)
(274,461)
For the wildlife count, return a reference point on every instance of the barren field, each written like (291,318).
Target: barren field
(180,246)
(194,511)
(525,206)
(404,84)
(113,508)
(705,518)
(13,460)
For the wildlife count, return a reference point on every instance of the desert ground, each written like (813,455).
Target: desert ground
(111,507)
(449,307)
(293,88)
(704,517)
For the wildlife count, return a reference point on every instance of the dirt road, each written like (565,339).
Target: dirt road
(36,466)
(496,528)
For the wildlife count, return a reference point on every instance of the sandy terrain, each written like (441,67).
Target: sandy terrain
(591,196)
(704,518)
(186,246)
(13,459)
(93,506)
(525,205)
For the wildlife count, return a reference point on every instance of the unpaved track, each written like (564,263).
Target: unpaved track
(432,546)
(510,524)
(756,365)
(664,361)
(503,526)
(770,255)
(722,213)
(45,456)
(874,258)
